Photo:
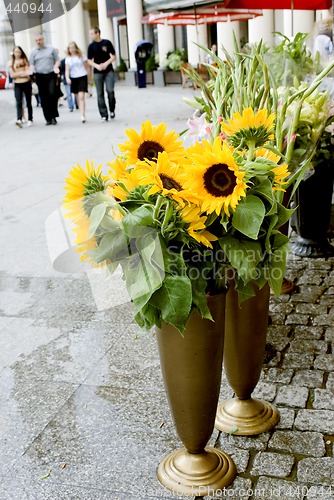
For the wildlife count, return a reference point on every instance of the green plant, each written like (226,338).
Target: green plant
(175,59)
(151,63)
(122,67)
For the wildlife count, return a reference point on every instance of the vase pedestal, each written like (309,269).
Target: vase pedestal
(245,339)
(191,367)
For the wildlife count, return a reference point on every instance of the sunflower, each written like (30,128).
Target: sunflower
(281,172)
(151,141)
(117,168)
(125,185)
(214,177)
(166,177)
(85,244)
(197,228)
(249,128)
(80,185)
(266,153)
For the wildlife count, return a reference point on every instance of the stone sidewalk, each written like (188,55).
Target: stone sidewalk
(83,413)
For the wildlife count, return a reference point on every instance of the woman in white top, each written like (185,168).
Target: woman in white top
(76,67)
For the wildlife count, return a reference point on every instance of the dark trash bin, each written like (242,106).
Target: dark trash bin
(143,51)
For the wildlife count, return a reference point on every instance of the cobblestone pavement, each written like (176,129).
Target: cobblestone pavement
(83,413)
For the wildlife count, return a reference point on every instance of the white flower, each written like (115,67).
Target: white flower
(199,128)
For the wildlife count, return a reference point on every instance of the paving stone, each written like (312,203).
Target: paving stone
(323,399)
(279,376)
(320,264)
(297,319)
(272,464)
(302,443)
(308,345)
(239,457)
(324,362)
(323,320)
(292,396)
(277,319)
(311,332)
(308,294)
(311,277)
(316,471)
(240,488)
(329,279)
(245,442)
(308,378)
(265,391)
(287,418)
(295,360)
(281,308)
(315,420)
(329,334)
(312,309)
(326,300)
(278,336)
(268,488)
(330,382)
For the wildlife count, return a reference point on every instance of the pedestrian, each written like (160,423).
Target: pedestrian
(76,67)
(45,64)
(67,86)
(323,41)
(101,55)
(209,58)
(20,71)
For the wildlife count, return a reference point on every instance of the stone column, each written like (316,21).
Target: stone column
(303,21)
(262,27)
(196,34)
(105,23)
(225,36)
(166,41)
(26,39)
(76,27)
(134,14)
(58,34)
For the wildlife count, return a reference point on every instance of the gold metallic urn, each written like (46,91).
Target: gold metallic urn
(191,367)
(245,339)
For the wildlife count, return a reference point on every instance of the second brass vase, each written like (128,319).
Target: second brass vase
(245,339)
(191,367)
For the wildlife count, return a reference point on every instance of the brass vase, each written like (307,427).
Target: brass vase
(191,367)
(245,339)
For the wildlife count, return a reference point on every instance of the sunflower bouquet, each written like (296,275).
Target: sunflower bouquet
(176,218)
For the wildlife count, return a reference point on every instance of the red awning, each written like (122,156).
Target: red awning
(201,15)
(280,4)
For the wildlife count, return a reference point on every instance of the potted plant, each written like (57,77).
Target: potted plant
(173,65)
(121,69)
(151,65)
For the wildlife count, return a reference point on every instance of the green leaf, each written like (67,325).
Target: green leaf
(133,222)
(95,218)
(174,300)
(113,246)
(284,214)
(248,216)
(272,224)
(198,287)
(243,256)
(276,263)
(148,316)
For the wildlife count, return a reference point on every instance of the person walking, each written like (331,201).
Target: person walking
(76,67)
(20,71)
(45,63)
(101,55)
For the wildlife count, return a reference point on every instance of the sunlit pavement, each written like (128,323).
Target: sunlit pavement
(81,396)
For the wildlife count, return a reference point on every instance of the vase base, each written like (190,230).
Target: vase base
(196,474)
(247,417)
(288,286)
(304,247)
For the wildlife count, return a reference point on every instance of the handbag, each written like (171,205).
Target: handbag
(34,88)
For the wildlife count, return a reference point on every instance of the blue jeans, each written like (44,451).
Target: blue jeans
(69,97)
(107,79)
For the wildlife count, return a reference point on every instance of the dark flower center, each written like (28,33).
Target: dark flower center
(169,182)
(219,180)
(148,150)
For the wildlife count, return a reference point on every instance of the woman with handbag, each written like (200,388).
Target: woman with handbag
(20,72)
